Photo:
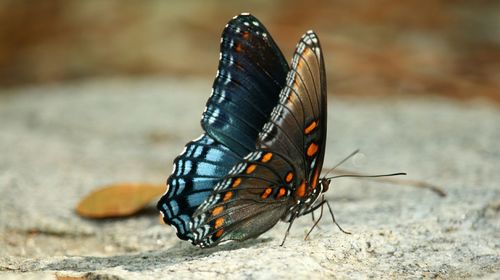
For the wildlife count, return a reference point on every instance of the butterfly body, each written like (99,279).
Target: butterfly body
(261,155)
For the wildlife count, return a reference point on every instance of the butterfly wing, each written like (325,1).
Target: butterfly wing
(298,124)
(252,71)
(196,170)
(269,183)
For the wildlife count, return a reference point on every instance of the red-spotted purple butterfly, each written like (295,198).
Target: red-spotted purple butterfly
(262,152)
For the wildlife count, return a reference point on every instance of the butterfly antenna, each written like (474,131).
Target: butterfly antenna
(341,162)
(407,182)
(365,176)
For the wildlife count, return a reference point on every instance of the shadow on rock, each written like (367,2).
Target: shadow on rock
(147,260)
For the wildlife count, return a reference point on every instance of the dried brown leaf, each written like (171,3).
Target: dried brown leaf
(118,200)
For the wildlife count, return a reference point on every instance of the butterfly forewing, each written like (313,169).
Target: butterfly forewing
(252,71)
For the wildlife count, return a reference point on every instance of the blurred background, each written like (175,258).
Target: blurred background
(101,92)
(384,47)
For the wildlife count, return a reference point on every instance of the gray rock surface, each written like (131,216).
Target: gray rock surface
(58,143)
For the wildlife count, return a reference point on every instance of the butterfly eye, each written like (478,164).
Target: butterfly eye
(325,184)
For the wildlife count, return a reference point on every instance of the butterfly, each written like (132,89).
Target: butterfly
(261,153)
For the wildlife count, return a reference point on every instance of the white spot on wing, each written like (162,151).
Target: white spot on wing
(221,97)
(214,116)
(204,168)
(228,79)
(197,152)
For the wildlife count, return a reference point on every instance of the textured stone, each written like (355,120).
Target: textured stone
(58,143)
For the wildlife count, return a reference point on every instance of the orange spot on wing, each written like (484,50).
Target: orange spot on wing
(219,222)
(219,233)
(281,193)
(236,182)
(267,157)
(289,177)
(217,210)
(312,149)
(299,65)
(251,168)
(315,179)
(246,35)
(301,190)
(227,196)
(237,47)
(266,193)
(310,127)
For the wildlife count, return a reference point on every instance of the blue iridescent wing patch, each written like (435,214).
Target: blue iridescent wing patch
(252,71)
(196,170)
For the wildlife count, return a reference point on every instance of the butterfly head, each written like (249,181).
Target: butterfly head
(325,184)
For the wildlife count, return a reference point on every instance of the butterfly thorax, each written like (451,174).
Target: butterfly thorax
(305,204)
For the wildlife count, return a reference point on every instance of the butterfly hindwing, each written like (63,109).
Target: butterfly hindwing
(196,170)
(251,199)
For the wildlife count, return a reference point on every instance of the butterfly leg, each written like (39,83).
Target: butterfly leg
(333,217)
(319,218)
(323,201)
(292,219)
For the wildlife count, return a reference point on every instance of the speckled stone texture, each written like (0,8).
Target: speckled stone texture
(57,143)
